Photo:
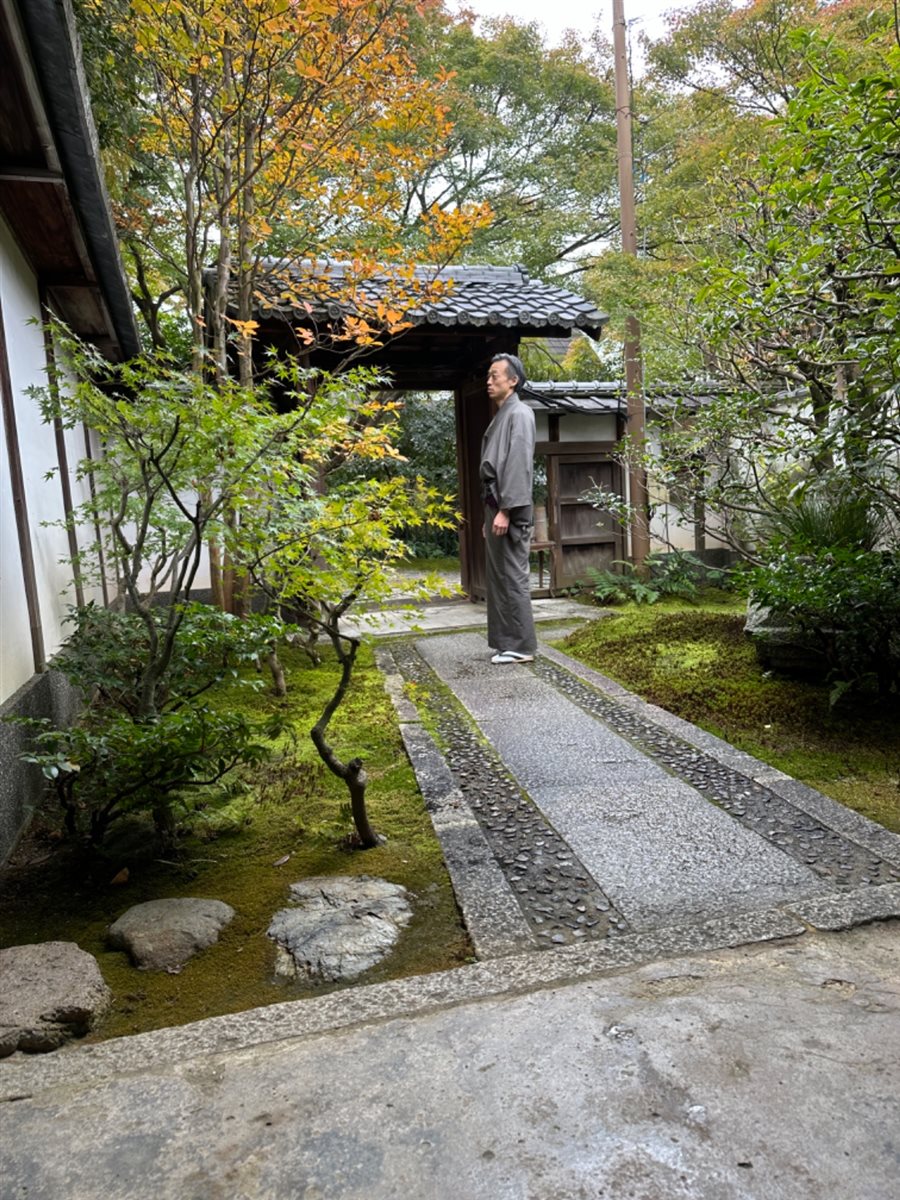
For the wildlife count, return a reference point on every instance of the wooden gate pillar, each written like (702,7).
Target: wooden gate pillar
(472,418)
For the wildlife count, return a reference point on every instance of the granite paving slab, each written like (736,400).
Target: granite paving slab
(550,886)
(666,856)
(457,614)
(652,842)
(753,795)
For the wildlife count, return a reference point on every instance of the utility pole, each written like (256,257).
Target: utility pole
(634,375)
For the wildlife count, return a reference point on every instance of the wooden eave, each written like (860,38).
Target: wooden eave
(444,343)
(426,357)
(52,195)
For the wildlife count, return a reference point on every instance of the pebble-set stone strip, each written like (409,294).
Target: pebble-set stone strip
(561,901)
(798,834)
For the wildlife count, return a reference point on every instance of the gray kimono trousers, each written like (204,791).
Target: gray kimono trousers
(507,469)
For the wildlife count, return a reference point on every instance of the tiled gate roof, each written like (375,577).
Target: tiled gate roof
(475,297)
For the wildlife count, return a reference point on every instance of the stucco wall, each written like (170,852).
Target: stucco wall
(578,427)
(22,693)
(19,300)
(43,496)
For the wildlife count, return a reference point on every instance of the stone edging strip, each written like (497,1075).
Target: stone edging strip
(492,915)
(494,920)
(23,1076)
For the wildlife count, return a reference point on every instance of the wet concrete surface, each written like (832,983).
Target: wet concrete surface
(769,1072)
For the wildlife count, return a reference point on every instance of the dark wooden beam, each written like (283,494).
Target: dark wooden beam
(28,174)
(61,453)
(564,449)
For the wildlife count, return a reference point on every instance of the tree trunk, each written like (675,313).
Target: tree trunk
(356,781)
(215,574)
(277,670)
(240,593)
(352,772)
(193,247)
(164,820)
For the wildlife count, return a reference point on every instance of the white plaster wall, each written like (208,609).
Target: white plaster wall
(38,453)
(665,531)
(670,527)
(578,428)
(19,299)
(202,579)
(541,427)
(87,535)
(44,497)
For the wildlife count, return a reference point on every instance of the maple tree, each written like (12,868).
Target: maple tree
(266,170)
(181,451)
(274,134)
(259,160)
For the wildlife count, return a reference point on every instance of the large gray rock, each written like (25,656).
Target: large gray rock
(339,927)
(781,647)
(161,935)
(49,992)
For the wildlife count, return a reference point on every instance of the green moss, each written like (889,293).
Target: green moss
(698,663)
(291,806)
(424,565)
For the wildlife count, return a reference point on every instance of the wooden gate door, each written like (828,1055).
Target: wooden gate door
(581,536)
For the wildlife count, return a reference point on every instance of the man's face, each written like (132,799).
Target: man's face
(501,383)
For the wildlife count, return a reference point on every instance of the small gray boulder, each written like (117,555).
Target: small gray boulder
(339,926)
(49,992)
(161,935)
(781,647)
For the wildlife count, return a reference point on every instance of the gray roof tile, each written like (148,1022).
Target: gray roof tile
(478,296)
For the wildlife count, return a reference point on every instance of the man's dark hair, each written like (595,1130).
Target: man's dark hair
(513,367)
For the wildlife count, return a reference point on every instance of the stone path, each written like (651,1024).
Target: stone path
(603,815)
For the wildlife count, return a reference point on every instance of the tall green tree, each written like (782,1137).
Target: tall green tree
(804,315)
(705,113)
(746,54)
(533,135)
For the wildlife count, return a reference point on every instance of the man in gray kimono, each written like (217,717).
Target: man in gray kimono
(507,466)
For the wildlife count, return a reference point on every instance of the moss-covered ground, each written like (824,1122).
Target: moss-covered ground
(695,661)
(285,820)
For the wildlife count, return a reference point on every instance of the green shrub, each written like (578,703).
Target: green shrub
(117,760)
(611,587)
(847,603)
(108,765)
(679,574)
(107,654)
(828,521)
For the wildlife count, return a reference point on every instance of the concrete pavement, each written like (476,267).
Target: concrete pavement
(766,1072)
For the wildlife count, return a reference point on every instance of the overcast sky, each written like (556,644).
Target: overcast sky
(583,16)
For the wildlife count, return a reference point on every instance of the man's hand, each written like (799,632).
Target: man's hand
(501,523)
